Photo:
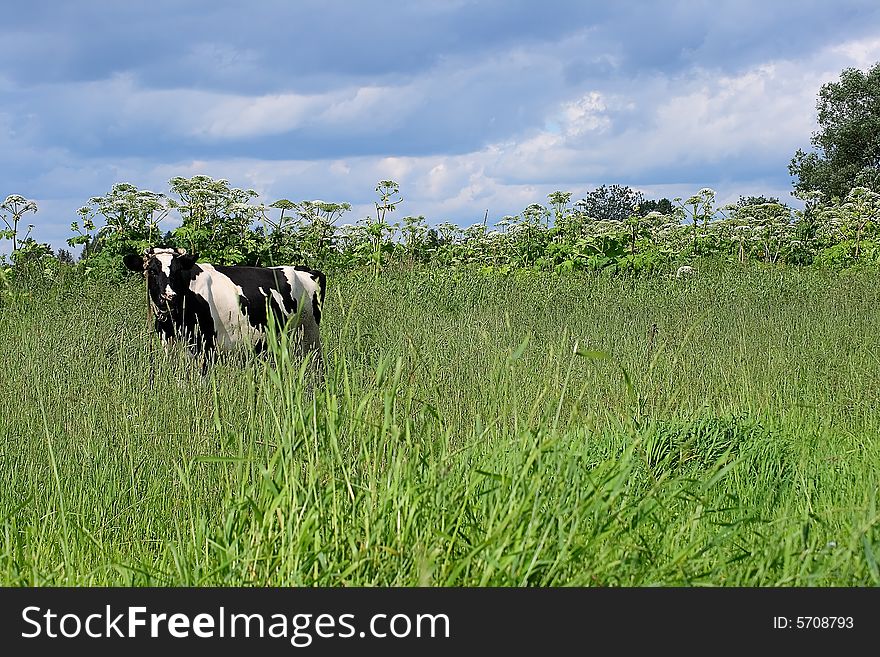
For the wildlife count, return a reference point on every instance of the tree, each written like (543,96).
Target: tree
(131,223)
(663,206)
(854,219)
(317,226)
(559,202)
(389,199)
(64,256)
(610,203)
(848,142)
(746,201)
(216,219)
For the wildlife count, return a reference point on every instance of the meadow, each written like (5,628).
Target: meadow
(529,429)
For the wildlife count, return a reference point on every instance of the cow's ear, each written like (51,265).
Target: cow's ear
(188,260)
(180,251)
(134,262)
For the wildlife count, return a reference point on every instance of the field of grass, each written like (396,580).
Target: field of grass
(532,430)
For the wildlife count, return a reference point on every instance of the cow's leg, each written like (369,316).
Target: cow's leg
(201,344)
(310,343)
(165,331)
(209,355)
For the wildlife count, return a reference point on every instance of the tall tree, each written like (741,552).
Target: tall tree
(663,206)
(611,203)
(848,142)
(746,201)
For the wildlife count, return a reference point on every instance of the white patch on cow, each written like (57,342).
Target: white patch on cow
(279,301)
(230,323)
(165,257)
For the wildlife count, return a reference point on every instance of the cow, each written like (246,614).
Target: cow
(215,308)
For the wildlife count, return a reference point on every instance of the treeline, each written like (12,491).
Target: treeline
(613,227)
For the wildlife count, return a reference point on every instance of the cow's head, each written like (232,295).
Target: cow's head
(167,271)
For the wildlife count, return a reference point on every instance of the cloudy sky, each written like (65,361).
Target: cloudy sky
(472,106)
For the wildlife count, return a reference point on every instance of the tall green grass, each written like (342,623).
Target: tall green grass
(530,430)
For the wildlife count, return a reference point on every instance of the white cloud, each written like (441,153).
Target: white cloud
(861,53)
(688,120)
(767,109)
(118,106)
(235,117)
(367,108)
(585,114)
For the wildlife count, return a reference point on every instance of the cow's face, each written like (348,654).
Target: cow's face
(167,271)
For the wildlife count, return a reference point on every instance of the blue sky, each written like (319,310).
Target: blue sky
(470,106)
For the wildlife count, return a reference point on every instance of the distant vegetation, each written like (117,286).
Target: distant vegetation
(611,228)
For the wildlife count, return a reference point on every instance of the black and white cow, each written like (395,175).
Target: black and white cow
(215,308)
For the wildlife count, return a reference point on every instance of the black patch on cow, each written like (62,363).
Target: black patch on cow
(134,262)
(316,308)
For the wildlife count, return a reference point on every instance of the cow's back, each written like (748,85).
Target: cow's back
(242,299)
